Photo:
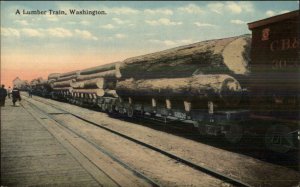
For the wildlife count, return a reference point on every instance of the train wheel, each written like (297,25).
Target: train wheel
(234,134)
(279,139)
(130,111)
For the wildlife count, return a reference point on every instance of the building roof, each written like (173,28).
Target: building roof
(273,19)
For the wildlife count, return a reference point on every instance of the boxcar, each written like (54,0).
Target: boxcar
(275,79)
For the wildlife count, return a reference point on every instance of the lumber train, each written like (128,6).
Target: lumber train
(223,87)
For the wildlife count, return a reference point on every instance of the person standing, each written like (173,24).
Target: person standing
(8,92)
(3,94)
(15,95)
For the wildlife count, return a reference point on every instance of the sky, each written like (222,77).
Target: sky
(36,45)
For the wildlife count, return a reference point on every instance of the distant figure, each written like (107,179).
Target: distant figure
(9,92)
(3,94)
(30,92)
(15,95)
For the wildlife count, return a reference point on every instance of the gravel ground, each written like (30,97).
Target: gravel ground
(245,168)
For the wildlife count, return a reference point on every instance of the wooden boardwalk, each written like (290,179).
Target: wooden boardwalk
(31,156)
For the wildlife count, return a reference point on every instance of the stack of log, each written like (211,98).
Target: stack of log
(99,80)
(217,87)
(203,71)
(53,77)
(221,56)
(62,82)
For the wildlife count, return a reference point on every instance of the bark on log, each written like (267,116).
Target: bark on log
(89,84)
(98,69)
(66,78)
(53,76)
(62,84)
(76,72)
(98,92)
(228,55)
(221,87)
(105,74)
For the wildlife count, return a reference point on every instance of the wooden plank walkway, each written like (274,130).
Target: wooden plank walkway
(31,156)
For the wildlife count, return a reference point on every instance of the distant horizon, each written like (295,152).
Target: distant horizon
(35,45)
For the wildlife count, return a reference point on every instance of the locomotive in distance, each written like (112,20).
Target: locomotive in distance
(223,87)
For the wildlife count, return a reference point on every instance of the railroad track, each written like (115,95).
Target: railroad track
(197,167)
(83,137)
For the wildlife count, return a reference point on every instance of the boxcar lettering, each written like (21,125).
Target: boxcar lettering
(278,64)
(274,45)
(284,63)
(284,44)
(295,43)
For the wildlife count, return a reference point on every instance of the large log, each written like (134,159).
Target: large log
(89,84)
(76,72)
(98,69)
(66,78)
(220,87)
(102,83)
(228,55)
(98,92)
(53,76)
(62,84)
(110,74)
